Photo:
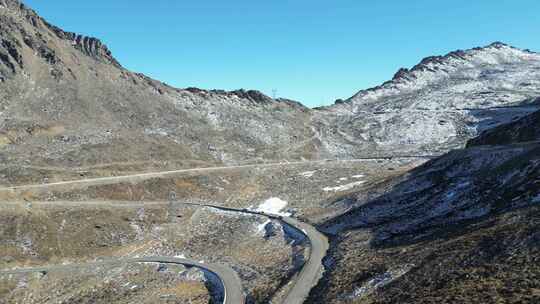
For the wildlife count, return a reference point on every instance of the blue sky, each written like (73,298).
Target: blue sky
(312,51)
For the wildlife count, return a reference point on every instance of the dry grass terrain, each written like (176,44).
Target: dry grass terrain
(130,283)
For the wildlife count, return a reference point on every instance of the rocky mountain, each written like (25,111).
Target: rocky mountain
(66,102)
(460,185)
(440,103)
(462,227)
(459,228)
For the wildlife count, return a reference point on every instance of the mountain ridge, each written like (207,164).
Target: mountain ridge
(434,64)
(88,45)
(95,48)
(429,183)
(66,94)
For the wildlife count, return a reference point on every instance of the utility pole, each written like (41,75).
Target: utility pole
(170,207)
(170,217)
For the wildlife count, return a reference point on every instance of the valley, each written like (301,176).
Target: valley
(118,188)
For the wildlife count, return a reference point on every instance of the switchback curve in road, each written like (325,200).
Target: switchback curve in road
(308,277)
(231,284)
(313,269)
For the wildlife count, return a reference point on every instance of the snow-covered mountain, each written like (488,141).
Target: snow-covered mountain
(439,103)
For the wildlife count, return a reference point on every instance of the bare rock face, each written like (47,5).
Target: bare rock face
(90,46)
(33,36)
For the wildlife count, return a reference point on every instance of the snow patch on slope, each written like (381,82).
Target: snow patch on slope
(261,229)
(307,174)
(274,206)
(379,281)
(343,187)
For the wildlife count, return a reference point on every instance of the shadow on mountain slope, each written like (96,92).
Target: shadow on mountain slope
(460,228)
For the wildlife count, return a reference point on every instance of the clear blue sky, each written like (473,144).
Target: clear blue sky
(312,51)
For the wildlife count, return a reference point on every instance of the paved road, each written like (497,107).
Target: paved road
(231,284)
(143,176)
(310,274)
(313,269)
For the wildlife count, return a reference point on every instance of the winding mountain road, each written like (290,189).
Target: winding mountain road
(310,274)
(313,269)
(308,277)
(231,284)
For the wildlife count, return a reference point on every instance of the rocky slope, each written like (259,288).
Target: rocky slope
(440,103)
(459,228)
(264,253)
(67,102)
(462,228)
(129,283)
(522,130)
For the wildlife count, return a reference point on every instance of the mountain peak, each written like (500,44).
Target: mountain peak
(27,18)
(90,46)
(498,44)
(430,63)
(432,69)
